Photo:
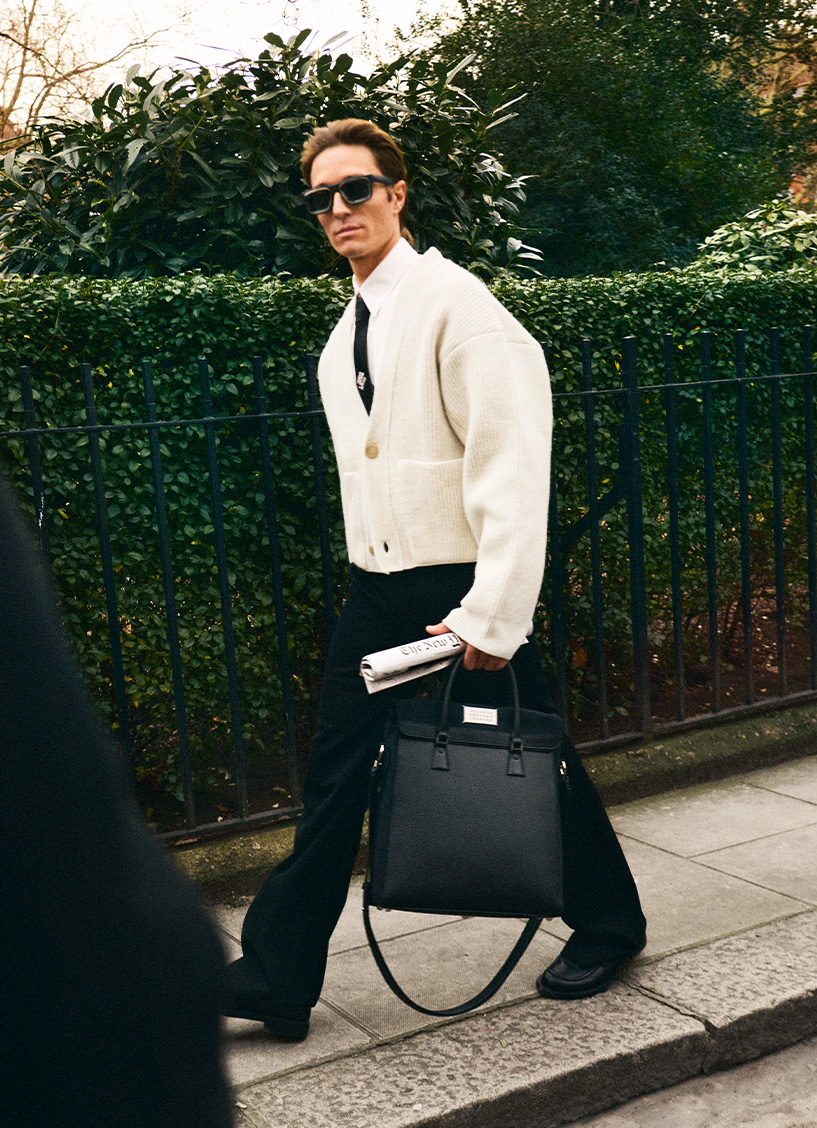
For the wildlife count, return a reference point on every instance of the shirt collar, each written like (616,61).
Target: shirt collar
(386,275)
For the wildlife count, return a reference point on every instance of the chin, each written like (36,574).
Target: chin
(351,252)
(351,242)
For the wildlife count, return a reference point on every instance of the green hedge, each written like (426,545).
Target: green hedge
(683,304)
(54,324)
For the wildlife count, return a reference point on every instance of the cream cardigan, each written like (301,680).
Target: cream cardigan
(453,464)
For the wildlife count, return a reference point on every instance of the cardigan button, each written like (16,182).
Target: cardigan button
(371,550)
(371,450)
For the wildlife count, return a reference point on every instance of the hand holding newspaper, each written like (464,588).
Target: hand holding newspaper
(400,664)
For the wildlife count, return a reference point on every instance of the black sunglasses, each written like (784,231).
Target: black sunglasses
(353,189)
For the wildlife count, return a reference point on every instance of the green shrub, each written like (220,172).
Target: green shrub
(774,237)
(199,171)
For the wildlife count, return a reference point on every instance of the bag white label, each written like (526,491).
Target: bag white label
(471,715)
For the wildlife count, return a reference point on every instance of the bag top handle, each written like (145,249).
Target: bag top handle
(516,736)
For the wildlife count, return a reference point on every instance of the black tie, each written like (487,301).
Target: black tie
(364,380)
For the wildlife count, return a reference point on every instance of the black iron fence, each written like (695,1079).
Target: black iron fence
(681,588)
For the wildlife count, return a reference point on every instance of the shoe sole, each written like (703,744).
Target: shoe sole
(567,993)
(289,1029)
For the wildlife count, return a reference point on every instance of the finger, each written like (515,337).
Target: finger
(438,628)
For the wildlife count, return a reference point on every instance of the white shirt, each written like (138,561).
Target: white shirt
(379,292)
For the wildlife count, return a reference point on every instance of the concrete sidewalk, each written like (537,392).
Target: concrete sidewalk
(728,878)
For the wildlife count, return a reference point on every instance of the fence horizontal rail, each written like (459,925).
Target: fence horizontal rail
(152,425)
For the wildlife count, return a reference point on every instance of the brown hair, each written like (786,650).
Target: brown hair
(355,131)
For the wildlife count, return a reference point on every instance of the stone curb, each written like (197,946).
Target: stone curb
(541,1064)
(703,755)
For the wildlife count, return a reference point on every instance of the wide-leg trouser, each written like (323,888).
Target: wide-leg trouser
(288,926)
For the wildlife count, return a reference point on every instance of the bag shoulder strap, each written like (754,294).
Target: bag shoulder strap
(483,996)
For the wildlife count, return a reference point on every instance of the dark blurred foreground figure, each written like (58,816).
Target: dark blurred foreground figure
(111,970)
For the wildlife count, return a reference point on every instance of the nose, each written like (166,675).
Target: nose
(339,205)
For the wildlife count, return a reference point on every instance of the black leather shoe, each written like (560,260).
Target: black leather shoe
(566,980)
(247,996)
(289,1025)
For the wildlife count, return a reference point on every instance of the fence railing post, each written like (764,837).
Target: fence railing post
(171,609)
(709,519)
(106,555)
(311,367)
(743,501)
(674,523)
(635,527)
(558,630)
(777,492)
(811,486)
(595,539)
(284,672)
(36,467)
(224,588)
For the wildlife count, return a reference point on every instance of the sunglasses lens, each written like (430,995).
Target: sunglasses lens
(319,200)
(356,190)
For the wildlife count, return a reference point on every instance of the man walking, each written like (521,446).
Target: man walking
(439,406)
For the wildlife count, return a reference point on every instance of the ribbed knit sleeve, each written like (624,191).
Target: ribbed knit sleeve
(496,393)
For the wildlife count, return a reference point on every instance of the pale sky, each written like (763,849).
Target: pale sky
(215,31)
(187,33)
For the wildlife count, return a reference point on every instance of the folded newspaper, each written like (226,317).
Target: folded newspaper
(402,663)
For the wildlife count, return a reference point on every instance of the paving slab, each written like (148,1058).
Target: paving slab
(775,862)
(229,919)
(251,1055)
(232,948)
(797,779)
(350,933)
(686,903)
(439,967)
(756,992)
(536,1063)
(711,817)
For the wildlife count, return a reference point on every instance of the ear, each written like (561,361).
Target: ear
(398,195)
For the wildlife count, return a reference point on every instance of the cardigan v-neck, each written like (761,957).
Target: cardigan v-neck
(380,293)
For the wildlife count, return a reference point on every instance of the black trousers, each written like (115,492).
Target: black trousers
(288,926)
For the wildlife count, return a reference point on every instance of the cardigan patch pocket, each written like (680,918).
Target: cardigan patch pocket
(430,513)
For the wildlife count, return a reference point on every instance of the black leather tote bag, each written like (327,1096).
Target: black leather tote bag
(465,818)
